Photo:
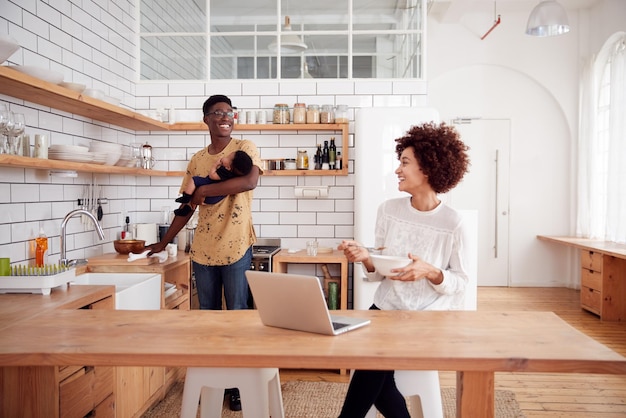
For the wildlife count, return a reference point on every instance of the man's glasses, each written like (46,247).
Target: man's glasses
(220,114)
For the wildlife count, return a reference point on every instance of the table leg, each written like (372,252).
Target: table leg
(475,394)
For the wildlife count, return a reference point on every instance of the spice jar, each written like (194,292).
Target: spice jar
(290,164)
(281,113)
(341,114)
(327,115)
(299,113)
(302,162)
(313,114)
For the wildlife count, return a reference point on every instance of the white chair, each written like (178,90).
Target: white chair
(260,392)
(422,386)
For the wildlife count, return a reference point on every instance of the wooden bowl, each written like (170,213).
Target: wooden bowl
(125,246)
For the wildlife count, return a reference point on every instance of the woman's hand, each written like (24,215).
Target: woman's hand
(354,251)
(417,270)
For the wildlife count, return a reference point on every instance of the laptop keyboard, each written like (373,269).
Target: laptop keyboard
(337,325)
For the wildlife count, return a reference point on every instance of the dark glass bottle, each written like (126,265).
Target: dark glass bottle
(325,154)
(332,154)
(318,157)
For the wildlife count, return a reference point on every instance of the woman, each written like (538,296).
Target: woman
(433,160)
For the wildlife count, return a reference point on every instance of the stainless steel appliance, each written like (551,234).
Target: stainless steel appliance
(262,252)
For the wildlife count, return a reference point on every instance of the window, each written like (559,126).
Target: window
(325,39)
(602,150)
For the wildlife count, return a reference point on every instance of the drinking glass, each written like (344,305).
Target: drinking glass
(14,131)
(4,118)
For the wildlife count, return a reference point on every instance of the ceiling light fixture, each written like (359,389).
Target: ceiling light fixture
(548,18)
(289,43)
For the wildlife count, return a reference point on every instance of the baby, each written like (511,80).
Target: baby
(235,164)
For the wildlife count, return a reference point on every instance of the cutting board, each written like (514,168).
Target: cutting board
(115,259)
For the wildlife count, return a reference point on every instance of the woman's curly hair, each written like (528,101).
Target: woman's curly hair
(441,154)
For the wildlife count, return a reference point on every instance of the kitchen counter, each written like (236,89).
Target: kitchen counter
(17,307)
(175,270)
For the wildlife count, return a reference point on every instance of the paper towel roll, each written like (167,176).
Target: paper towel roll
(147,232)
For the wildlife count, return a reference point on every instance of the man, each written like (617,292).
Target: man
(222,247)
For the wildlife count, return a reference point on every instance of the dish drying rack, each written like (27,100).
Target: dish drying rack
(37,280)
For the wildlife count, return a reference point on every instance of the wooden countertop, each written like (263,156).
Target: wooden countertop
(115,259)
(15,308)
(605,247)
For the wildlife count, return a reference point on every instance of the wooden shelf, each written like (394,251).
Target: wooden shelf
(318,127)
(16,84)
(46,164)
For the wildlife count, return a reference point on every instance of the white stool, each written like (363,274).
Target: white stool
(422,389)
(260,392)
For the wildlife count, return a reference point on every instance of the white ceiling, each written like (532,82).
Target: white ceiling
(452,10)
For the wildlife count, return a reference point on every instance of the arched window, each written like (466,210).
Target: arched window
(602,145)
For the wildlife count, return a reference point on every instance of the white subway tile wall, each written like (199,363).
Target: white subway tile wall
(96,47)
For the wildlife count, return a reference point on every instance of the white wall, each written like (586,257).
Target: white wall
(94,46)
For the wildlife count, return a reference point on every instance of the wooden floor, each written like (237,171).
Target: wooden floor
(544,395)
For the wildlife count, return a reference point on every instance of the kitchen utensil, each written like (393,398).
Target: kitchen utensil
(125,246)
(148,160)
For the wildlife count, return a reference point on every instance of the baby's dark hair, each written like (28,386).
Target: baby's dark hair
(242,163)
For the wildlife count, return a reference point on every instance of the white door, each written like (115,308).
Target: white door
(485,188)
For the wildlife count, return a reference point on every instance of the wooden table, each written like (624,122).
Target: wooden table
(474,344)
(602,275)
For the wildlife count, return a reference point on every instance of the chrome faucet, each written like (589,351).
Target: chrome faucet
(64,261)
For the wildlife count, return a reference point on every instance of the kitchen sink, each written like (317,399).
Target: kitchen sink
(133,291)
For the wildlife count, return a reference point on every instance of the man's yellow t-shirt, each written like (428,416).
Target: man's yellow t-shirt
(225,230)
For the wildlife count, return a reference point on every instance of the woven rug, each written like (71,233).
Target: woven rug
(324,400)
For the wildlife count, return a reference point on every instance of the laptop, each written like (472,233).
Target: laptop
(296,302)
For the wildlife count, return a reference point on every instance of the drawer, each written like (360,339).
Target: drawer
(591,260)
(80,393)
(591,279)
(591,300)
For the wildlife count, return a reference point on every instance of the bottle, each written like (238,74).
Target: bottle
(332,154)
(318,157)
(325,156)
(41,248)
(339,162)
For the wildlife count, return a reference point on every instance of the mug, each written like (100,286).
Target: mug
(172,250)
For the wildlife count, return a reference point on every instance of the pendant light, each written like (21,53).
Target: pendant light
(548,18)
(289,43)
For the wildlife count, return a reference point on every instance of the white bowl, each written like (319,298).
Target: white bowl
(44,74)
(112,100)
(95,93)
(8,46)
(384,263)
(77,87)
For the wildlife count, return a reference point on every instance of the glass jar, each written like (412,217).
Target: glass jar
(341,114)
(313,114)
(327,115)
(281,113)
(290,164)
(299,113)
(302,163)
